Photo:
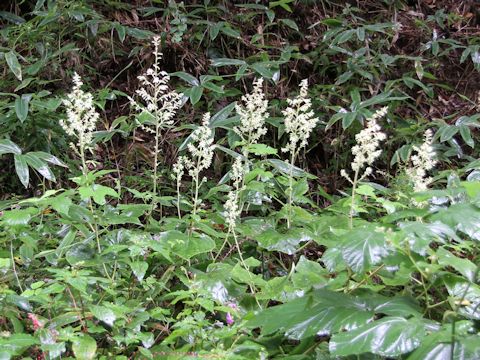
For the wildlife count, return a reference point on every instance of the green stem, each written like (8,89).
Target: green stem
(352,205)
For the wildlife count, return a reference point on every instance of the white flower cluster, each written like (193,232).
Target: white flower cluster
(253,114)
(81,116)
(157,99)
(422,162)
(367,149)
(201,148)
(299,120)
(232,208)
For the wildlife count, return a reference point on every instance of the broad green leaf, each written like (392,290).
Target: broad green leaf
(321,313)
(48,158)
(309,274)
(84,347)
(420,235)
(461,217)
(13,64)
(21,168)
(40,166)
(186,246)
(363,247)
(139,269)
(438,346)
(104,314)
(97,192)
(262,149)
(192,80)
(287,243)
(18,216)
(219,118)
(464,295)
(9,147)
(15,344)
(286,168)
(195,94)
(21,106)
(463,266)
(230,32)
(390,337)
(290,23)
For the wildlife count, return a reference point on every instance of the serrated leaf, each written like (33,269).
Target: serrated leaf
(286,243)
(461,217)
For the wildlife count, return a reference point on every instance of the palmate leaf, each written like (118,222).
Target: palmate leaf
(390,336)
(363,247)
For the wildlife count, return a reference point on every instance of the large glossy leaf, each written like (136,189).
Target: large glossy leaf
(462,217)
(463,266)
(363,247)
(438,345)
(321,313)
(420,235)
(464,295)
(390,336)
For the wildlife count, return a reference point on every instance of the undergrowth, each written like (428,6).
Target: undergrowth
(239,180)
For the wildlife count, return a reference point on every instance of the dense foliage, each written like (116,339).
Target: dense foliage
(239,180)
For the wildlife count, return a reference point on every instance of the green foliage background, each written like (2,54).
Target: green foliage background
(87,270)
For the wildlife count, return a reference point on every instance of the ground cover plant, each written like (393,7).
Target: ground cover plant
(239,180)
